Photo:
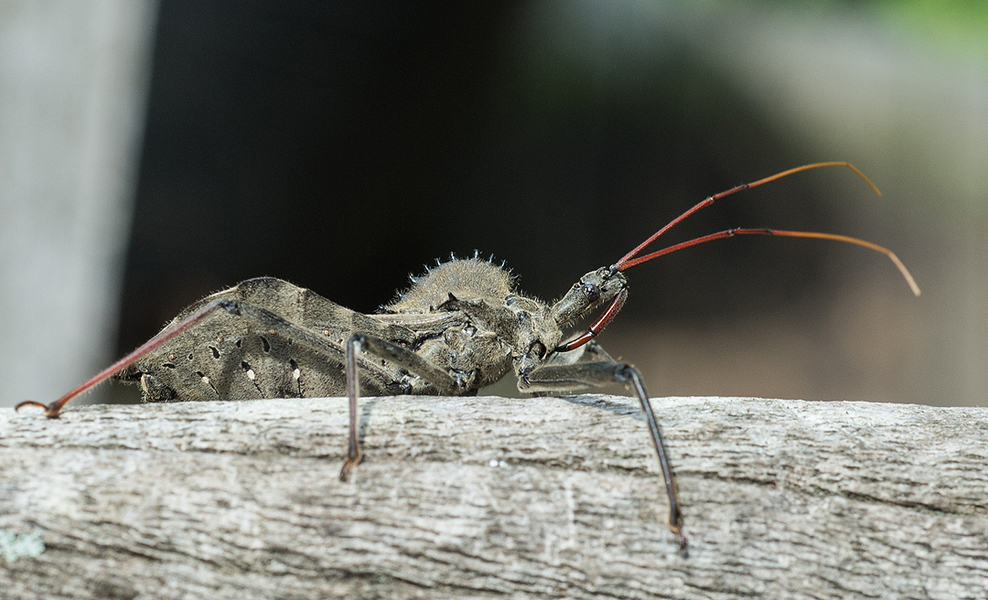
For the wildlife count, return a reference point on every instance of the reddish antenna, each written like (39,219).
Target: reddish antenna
(631,259)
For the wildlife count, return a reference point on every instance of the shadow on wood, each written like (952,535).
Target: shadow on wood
(475,497)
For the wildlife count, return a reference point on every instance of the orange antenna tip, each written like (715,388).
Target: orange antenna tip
(905,273)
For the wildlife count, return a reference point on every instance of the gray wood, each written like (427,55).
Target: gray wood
(478,497)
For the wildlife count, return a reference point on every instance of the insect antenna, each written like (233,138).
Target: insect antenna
(631,258)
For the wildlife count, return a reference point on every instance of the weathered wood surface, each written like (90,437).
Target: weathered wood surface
(484,497)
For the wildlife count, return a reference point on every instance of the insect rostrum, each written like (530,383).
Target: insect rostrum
(459,327)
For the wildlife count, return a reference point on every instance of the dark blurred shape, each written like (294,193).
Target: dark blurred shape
(342,145)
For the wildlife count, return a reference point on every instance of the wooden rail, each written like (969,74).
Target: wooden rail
(486,497)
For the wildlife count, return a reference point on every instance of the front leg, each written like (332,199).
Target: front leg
(595,368)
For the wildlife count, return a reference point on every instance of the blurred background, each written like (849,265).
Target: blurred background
(154,152)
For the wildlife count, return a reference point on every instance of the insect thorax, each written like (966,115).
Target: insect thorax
(503,323)
(467,278)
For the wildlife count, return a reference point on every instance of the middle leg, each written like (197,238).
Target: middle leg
(401,357)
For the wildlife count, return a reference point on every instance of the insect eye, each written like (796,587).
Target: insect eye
(591,291)
(537,348)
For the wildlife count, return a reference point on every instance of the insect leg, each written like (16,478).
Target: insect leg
(53,409)
(401,357)
(600,370)
(259,316)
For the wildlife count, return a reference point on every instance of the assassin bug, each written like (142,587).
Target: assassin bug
(458,328)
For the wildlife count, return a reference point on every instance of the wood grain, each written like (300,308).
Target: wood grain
(486,497)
